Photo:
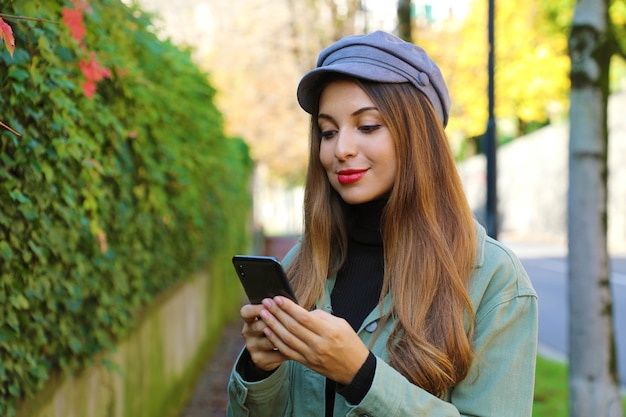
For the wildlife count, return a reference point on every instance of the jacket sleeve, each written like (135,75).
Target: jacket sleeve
(267,397)
(500,382)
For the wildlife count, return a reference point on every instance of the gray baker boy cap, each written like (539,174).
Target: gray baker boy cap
(380,57)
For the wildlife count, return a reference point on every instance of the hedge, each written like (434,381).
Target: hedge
(107,199)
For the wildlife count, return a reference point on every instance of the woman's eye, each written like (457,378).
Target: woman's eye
(328,134)
(369,128)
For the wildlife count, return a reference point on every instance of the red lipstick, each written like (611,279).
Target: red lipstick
(350,176)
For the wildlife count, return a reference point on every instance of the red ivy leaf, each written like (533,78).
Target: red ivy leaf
(91,68)
(93,72)
(82,5)
(73,19)
(102,240)
(89,88)
(6,33)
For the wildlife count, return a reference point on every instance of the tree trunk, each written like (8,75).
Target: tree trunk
(404,20)
(593,380)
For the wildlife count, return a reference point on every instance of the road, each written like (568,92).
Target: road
(547,267)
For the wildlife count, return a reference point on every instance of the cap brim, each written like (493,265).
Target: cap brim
(310,86)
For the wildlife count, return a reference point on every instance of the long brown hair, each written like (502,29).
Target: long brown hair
(428,239)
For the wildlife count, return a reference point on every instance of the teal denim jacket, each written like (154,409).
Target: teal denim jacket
(500,382)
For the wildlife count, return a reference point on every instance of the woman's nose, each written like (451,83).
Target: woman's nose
(346,145)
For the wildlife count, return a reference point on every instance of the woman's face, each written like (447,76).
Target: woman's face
(356,148)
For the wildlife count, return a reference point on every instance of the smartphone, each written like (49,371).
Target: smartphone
(262,277)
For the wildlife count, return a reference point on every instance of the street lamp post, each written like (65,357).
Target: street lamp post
(490,136)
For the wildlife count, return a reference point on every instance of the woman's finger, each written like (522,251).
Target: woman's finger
(319,340)
(285,333)
(267,360)
(250,312)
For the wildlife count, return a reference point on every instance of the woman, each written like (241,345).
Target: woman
(406,308)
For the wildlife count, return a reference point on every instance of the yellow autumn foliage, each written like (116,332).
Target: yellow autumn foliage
(531,65)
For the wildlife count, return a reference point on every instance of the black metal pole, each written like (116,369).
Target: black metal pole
(490,139)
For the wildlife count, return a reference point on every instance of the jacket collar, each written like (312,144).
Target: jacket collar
(481,238)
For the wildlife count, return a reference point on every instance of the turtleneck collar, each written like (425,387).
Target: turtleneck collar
(366,221)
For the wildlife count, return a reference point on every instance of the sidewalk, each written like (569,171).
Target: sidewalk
(210,397)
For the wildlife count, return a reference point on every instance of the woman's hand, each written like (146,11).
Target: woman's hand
(262,351)
(319,340)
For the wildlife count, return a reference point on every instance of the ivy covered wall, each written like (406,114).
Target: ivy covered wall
(117,184)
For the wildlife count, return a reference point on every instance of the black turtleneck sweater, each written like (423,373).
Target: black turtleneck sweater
(359,282)
(357,290)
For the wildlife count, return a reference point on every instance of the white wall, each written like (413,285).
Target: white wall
(533,180)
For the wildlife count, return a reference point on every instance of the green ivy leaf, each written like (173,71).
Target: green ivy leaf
(18,196)
(39,372)
(75,345)
(18,73)
(14,389)
(28,210)
(13,321)
(5,250)
(19,301)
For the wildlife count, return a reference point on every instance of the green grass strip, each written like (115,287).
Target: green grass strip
(551,389)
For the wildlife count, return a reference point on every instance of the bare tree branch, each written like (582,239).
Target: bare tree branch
(35,19)
(9,129)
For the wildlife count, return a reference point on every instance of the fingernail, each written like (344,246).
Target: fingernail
(279,300)
(264,314)
(267,302)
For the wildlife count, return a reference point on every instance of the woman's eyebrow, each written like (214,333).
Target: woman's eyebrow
(364,109)
(324,116)
(355,113)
